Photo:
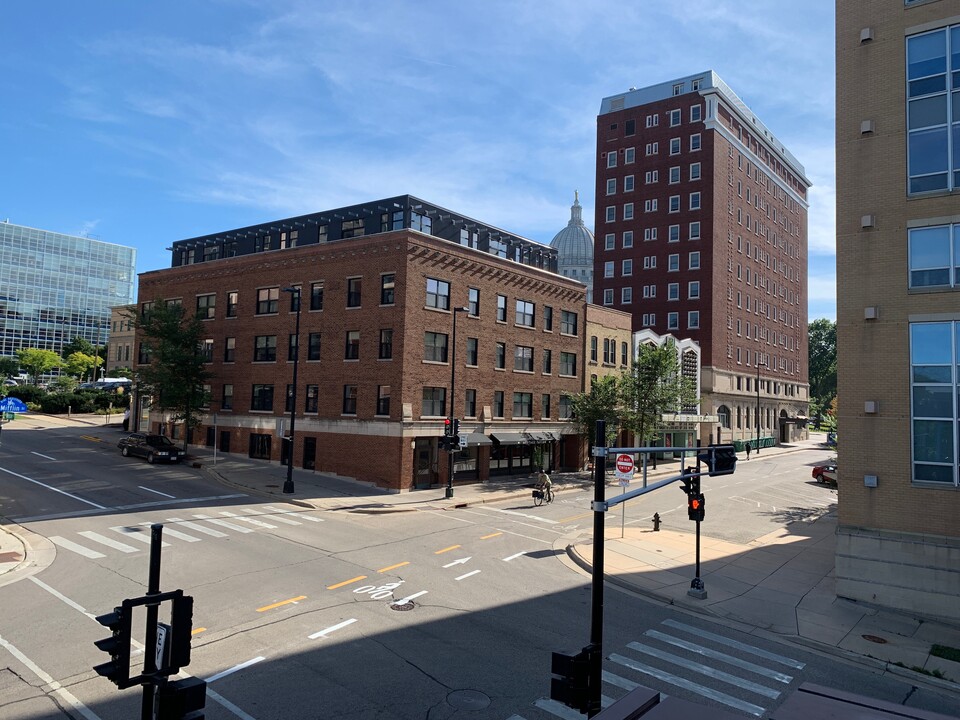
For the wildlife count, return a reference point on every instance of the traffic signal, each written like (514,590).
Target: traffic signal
(690,481)
(456,427)
(117,646)
(182,700)
(695,506)
(181,624)
(720,459)
(571,686)
(447,427)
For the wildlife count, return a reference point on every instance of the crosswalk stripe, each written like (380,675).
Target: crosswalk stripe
(275,517)
(109,542)
(562,711)
(621,682)
(298,516)
(136,534)
(252,521)
(79,549)
(197,527)
(723,657)
(783,660)
(688,685)
(176,533)
(223,523)
(706,670)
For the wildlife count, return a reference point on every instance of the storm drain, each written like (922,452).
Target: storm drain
(408,605)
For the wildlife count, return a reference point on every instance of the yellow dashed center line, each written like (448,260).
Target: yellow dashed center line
(392,567)
(447,549)
(487,537)
(358,578)
(281,603)
(198,630)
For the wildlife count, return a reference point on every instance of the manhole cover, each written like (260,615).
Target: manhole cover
(875,639)
(401,608)
(468,700)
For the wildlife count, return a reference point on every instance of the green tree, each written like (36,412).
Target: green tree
(9,366)
(78,345)
(175,374)
(36,362)
(822,361)
(602,402)
(80,364)
(653,386)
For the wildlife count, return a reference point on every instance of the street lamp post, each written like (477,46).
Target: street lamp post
(757,418)
(453,368)
(288,483)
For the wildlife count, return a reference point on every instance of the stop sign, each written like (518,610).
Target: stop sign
(624,466)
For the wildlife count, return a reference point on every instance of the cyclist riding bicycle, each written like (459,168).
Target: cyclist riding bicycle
(545,484)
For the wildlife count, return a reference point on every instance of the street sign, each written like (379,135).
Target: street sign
(624,468)
(12,405)
(462,440)
(163,634)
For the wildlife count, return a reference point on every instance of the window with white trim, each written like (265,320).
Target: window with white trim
(608,269)
(611,186)
(696,113)
(694,260)
(628,183)
(626,295)
(650,205)
(694,142)
(674,205)
(611,213)
(611,159)
(673,321)
(693,290)
(610,241)
(674,146)
(694,201)
(651,176)
(653,148)
(608,296)
(626,267)
(695,171)
(693,319)
(649,291)
(628,211)
(629,156)
(628,238)
(675,175)
(695,230)
(673,262)
(674,234)
(653,120)
(649,234)
(674,117)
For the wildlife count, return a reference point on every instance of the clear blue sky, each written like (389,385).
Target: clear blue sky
(145,123)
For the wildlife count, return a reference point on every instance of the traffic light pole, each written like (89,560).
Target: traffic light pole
(595,649)
(153,609)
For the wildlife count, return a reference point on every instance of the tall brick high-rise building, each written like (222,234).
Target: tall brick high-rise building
(898,307)
(701,232)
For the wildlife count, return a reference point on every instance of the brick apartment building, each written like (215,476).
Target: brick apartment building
(376,319)
(701,232)
(898,311)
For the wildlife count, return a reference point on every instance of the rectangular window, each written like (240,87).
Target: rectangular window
(265,348)
(693,319)
(626,268)
(229,349)
(674,234)
(438,294)
(696,113)
(933,113)
(694,142)
(568,363)
(383,400)
(352,228)
(391,221)
(674,146)
(294,298)
(316,296)
(500,356)
(674,205)
(349,400)
(674,118)
(206,306)
(612,159)
(675,175)
(693,290)
(232,299)
(522,405)
(354,288)
(628,183)
(547,361)
(653,120)
(387,288)
(673,291)
(673,321)
(566,407)
(610,213)
(473,351)
(630,128)
(523,358)
(470,403)
(312,401)
(226,400)
(608,269)
(385,347)
(628,238)
(695,230)
(313,346)
(268,300)
(501,308)
(629,156)
(435,347)
(612,186)
(206,350)
(649,234)
(626,295)
(568,322)
(934,254)
(694,260)
(628,211)
(695,171)
(934,387)
(351,345)
(288,404)
(653,148)
(525,313)
(694,201)
(292,348)
(261,397)
(651,177)
(473,302)
(650,205)
(547,318)
(610,241)
(544,407)
(498,403)
(608,296)
(673,262)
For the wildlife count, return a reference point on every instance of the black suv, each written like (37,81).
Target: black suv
(152,447)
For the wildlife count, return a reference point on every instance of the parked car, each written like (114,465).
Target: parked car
(151,447)
(826,473)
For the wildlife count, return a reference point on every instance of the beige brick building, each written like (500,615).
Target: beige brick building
(898,318)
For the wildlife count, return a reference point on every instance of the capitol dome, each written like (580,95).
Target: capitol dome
(574,246)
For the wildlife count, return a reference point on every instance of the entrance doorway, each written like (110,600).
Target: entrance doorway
(309,453)
(260,446)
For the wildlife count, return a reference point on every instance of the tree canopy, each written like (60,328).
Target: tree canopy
(36,362)
(601,403)
(78,345)
(822,362)
(653,386)
(9,366)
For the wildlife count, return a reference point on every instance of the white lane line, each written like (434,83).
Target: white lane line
(109,542)
(696,667)
(135,533)
(79,549)
(50,487)
(276,517)
(461,561)
(736,644)
(252,521)
(42,455)
(234,669)
(198,527)
(217,697)
(547,521)
(620,682)
(62,597)
(224,523)
(408,598)
(514,557)
(332,628)
(689,685)
(177,501)
(142,487)
(175,533)
(65,694)
(723,657)
(462,577)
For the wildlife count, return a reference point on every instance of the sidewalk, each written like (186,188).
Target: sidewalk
(782,582)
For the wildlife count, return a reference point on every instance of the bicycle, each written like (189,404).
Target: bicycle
(542,494)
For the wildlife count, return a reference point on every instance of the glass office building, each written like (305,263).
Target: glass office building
(56,287)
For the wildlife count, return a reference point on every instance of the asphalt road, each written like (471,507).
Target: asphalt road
(311,614)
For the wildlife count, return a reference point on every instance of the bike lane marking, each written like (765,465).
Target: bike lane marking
(332,628)
(230,671)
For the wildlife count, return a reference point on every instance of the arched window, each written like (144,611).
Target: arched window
(723,412)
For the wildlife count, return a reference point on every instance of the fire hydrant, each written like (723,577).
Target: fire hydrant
(656,522)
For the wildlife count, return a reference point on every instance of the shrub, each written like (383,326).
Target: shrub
(62,402)
(27,393)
